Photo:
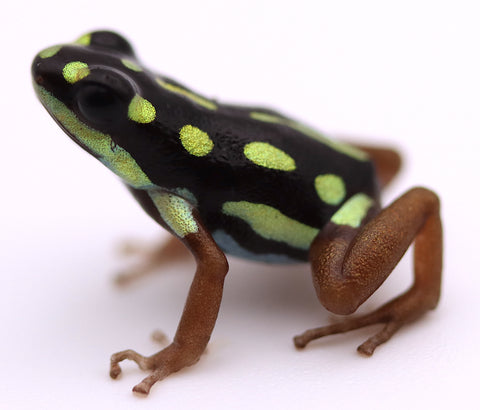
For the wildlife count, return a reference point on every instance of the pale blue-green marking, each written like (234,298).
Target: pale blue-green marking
(175,211)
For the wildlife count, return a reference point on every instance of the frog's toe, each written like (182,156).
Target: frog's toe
(129,354)
(306,337)
(368,347)
(146,384)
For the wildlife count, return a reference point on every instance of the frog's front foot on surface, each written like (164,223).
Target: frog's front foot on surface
(406,308)
(169,360)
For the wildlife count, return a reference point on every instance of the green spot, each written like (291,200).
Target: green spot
(353,211)
(101,145)
(131,65)
(195,141)
(176,212)
(84,40)
(271,224)
(190,95)
(141,110)
(309,132)
(49,52)
(330,188)
(268,156)
(75,71)
(265,117)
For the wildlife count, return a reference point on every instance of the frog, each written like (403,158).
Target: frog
(251,182)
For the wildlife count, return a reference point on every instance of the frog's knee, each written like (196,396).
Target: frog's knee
(425,196)
(339,300)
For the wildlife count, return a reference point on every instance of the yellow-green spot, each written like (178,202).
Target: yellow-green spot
(265,117)
(268,156)
(101,145)
(131,65)
(75,71)
(175,211)
(309,132)
(195,141)
(330,188)
(190,95)
(84,40)
(271,224)
(141,110)
(49,52)
(353,211)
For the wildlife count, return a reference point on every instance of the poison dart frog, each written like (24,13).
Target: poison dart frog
(245,181)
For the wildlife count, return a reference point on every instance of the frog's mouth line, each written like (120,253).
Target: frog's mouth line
(59,112)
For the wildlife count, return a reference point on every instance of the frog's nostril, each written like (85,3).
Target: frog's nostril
(39,79)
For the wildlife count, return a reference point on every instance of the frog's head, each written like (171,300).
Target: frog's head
(93,88)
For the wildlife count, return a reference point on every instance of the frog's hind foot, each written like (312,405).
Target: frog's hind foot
(367,348)
(152,257)
(406,308)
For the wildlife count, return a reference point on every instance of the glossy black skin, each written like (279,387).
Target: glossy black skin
(223,175)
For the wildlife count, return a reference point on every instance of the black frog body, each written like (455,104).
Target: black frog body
(263,184)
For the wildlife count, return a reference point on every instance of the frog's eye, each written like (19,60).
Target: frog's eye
(111,41)
(99,104)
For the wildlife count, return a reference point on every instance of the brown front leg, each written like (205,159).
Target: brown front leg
(349,264)
(198,318)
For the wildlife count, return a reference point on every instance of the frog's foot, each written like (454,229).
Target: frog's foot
(406,308)
(152,257)
(169,360)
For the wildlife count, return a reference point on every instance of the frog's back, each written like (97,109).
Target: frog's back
(265,184)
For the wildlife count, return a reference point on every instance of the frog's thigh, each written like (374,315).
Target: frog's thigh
(349,264)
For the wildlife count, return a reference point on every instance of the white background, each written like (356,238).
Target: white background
(401,73)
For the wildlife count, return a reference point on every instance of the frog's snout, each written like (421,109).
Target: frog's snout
(37,71)
(44,65)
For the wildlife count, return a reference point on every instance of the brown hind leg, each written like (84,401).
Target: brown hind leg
(387,162)
(349,264)
(152,257)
